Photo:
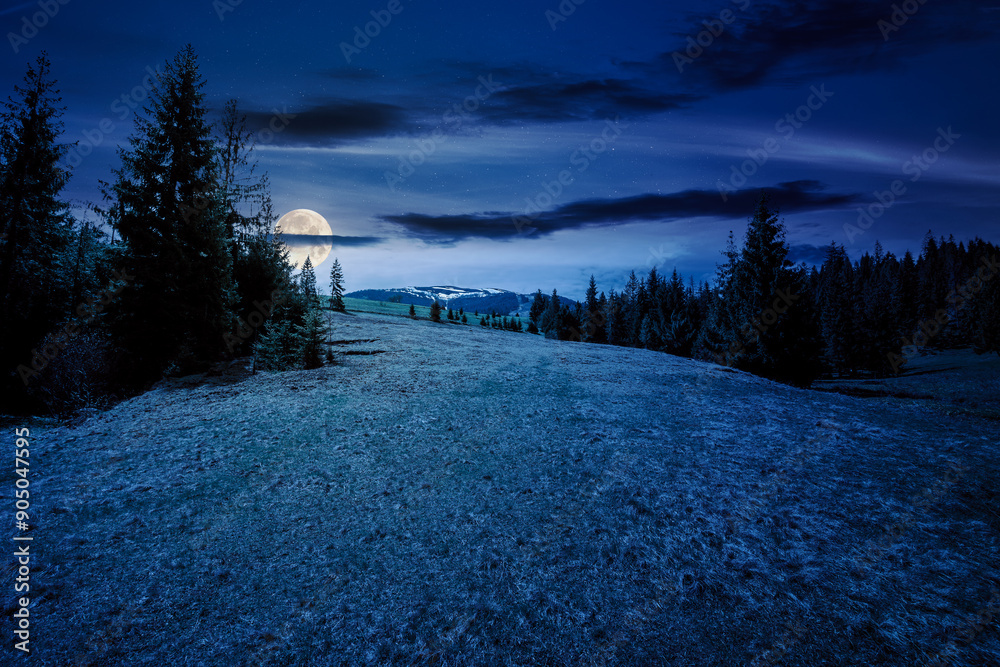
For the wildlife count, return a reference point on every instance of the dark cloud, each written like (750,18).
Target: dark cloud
(332,121)
(590,99)
(795,196)
(448,229)
(470,95)
(528,92)
(795,40)
(342,241)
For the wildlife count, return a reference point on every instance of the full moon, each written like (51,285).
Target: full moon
(302,223)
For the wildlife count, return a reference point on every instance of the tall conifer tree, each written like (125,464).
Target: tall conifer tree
(171,217)
(337,287)
(35,227)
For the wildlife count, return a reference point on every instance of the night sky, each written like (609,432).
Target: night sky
(526,145)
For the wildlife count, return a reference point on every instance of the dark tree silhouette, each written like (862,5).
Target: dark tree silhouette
(167,208)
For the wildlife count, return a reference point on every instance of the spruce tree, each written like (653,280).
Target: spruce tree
(797,334)
(279,347)
(261,270)
(836,308)
(984,308)
(413,312)
(171,218)
(307,281)
(310,337)
(551,320)
(593,331)
(35,228)
(631,312)
(905,300)
(337,287)
(877,328)
(673,317)
(778,337)
(435,311)
(932,289)
(538,306)
(615,322)
(756,280)
(683,331)
(718,339)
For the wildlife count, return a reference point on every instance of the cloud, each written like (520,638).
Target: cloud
(792,40)
(462,101)
(316,239)
(332,121)
(587,99)
(528,92)
(795,196)
(448,229)
(19,8)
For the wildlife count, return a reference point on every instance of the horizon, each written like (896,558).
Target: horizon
(536,145)
(915,252)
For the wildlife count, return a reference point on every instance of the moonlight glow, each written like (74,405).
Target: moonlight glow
(300,224)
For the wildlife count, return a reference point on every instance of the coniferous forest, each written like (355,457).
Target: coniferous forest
(794,323)
(192,273)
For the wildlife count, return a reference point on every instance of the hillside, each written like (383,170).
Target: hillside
(460,496)
(503,302)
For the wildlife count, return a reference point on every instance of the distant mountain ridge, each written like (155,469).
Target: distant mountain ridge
(483,300)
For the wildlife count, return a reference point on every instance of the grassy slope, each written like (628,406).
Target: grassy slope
(384,307)
(402,309)
(480,497)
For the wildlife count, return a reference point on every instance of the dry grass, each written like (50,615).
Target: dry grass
(474,497)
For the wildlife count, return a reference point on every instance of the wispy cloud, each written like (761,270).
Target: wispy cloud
(794,41)
(18,8)
(342,241)
(333,121)
(795,196)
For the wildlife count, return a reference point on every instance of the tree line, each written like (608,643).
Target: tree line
(793,323)
(192,273)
